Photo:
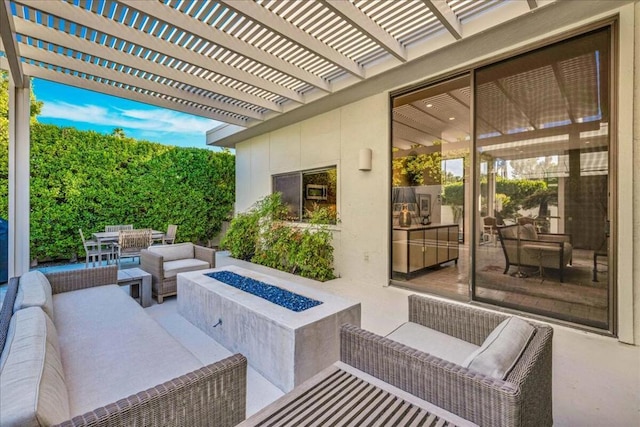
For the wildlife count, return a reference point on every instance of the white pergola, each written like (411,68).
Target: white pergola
(243,63)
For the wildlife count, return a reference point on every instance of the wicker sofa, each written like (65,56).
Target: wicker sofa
(164,262)
(78,351)
(522,398)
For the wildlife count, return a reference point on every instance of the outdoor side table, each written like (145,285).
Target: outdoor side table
(139,282)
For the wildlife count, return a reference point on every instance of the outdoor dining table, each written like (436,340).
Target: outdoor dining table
(112,237)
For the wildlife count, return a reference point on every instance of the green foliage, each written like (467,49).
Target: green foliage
(242,235)
(262,236)
(453,194)
(83,179)
(313,257)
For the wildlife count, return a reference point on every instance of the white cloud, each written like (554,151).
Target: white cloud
(151,121)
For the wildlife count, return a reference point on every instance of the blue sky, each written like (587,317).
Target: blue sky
(87,110)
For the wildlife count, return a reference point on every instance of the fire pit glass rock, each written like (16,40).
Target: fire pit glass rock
(274,294)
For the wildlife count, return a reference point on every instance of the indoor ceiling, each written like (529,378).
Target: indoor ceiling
(239,62)
(539,104)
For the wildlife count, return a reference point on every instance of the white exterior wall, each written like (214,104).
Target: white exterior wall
(361,239)
(336,137)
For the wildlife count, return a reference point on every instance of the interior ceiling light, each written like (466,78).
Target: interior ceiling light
(429,105)
(452,118)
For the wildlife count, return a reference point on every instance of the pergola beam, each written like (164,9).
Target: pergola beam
(446,16)
(10,45)
(362,22)
(109,27)
(96,70)
(289,31)
(198,28)
(83,83)
(77,44)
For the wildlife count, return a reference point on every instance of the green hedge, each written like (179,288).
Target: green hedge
(84,179)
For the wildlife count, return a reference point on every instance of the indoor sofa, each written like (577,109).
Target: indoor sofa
(164,262)
(77,350)
(523,245)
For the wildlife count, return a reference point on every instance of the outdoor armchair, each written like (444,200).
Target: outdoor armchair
(523,398)
(164,262)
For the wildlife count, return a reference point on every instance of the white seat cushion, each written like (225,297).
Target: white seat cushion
(433,342)
(499,353)
(173,252)
(32,380)
(172,268)
(34,291)
(112,349)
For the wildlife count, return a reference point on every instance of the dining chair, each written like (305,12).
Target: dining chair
(94,252)
(170,236)
(112,228)
(131,242)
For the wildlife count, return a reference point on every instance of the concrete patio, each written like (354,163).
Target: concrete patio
(596,379)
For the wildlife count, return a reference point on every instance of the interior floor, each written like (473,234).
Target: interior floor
(578,298)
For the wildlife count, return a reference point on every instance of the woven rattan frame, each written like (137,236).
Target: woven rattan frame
(524,398)
(153,264)
(214,395)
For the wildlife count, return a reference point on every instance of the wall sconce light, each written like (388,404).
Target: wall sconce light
(364,162)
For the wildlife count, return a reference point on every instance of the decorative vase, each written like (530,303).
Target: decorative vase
(405,216)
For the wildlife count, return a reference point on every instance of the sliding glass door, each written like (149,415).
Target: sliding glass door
(431,133)
(542,134)
(524,222)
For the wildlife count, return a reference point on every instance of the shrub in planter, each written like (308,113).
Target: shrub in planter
(242,236)
(262,236)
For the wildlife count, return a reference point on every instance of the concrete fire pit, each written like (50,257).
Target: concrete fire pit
(285,346)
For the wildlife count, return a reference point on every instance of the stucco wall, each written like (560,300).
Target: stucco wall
(333,138)
(337,136)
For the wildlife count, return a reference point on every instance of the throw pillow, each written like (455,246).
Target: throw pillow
(499,353)
(34,290)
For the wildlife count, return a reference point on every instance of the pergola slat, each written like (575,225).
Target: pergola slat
(206,32)
(361,21)
(246,61)
(124,32)
(114,75)
(77,44)
(83,83)
(291,32)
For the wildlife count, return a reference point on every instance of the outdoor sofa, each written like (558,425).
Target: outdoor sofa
(493,390)
(78,351)
(164,262)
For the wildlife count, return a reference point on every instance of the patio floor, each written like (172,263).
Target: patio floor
(596,379)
